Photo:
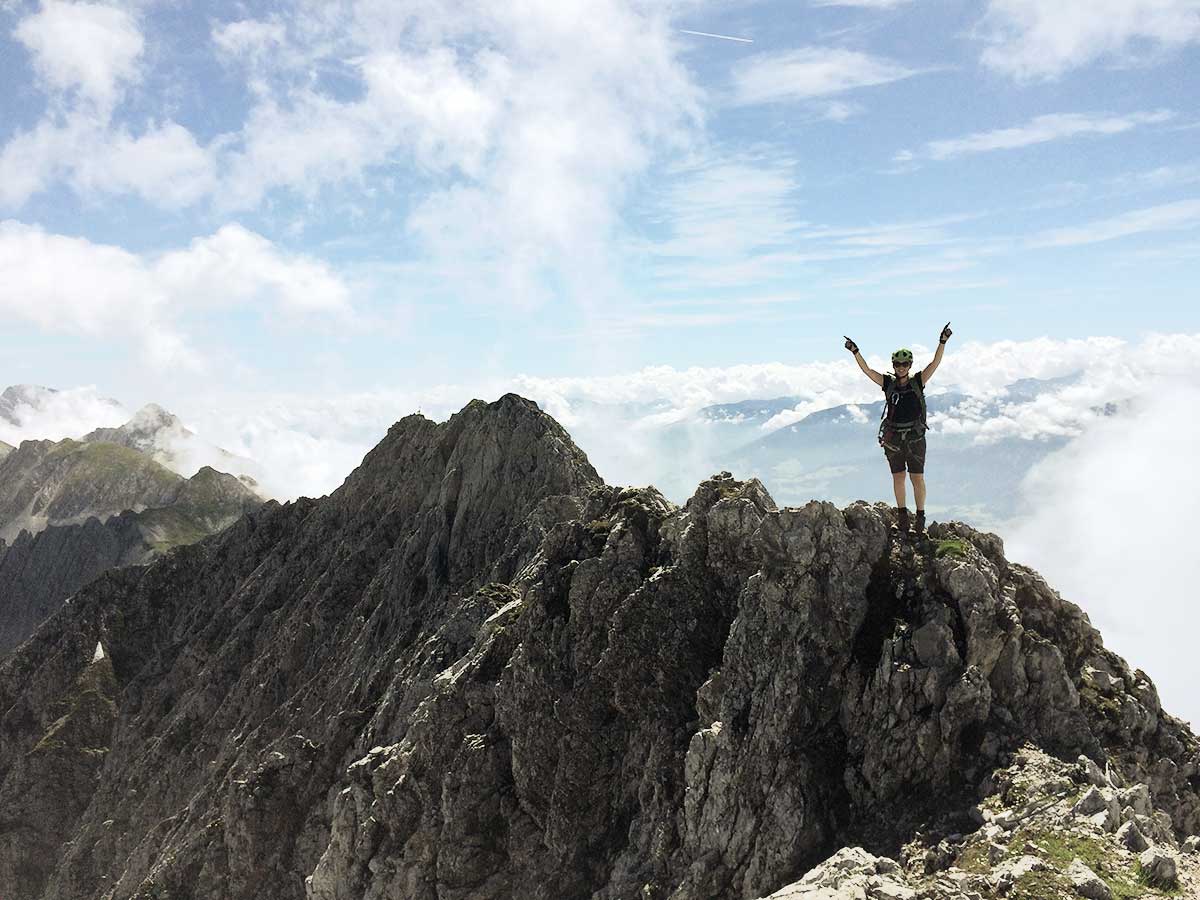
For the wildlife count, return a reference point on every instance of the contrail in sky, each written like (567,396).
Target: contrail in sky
(723,37)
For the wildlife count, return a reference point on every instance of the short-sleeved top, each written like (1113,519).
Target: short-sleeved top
(904,406)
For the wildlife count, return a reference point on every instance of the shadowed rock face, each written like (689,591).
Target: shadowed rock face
(476,671)
(38,572)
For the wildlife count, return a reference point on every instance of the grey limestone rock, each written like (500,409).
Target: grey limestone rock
(1093,773)
(1159,868)
(1132,838)
(1087,883)
(476,671)
(850,874)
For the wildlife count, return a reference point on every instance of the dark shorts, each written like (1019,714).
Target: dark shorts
(908,454)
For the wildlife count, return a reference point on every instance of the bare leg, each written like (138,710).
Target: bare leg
(918,489)
(898,487)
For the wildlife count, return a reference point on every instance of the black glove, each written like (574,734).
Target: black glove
(945,336)
(850,345)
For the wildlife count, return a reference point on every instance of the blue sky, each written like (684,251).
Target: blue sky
(344,197)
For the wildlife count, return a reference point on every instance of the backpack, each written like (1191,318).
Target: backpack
(892,400)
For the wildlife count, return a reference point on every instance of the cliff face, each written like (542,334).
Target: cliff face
(476,671)
(38,572)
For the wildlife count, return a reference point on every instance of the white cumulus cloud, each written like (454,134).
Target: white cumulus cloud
(1034,39)
(86,54)
(61,414)
(1111,527)
(67,284)
(91,48)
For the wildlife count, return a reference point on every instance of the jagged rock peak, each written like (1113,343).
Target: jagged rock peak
(475,671)
(151,417)
(508,440)
(146,429)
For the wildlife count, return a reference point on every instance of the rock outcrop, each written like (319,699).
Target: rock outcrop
(476,671)
(1034,843)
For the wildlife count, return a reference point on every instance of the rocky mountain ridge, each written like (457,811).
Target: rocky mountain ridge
(39,572)
(151,430)
(71,509)
(44,483)
(477,671)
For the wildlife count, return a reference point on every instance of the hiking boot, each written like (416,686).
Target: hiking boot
(902,520)
(919,528)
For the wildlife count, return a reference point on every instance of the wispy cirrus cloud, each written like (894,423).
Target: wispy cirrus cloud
(737,221)
(1182,214)
(862,4)
(1040,130)
(1033,39)
(808,73)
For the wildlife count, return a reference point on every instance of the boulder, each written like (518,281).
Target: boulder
(1087,883)
(1131,838)
(1159,868)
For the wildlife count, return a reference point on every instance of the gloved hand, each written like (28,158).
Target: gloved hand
(945,336)
(850,345)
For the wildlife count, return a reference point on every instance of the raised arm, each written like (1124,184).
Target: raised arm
(862,363)
(928,371)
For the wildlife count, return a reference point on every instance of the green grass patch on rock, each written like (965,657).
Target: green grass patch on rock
(951,547)
(1060,848)
(975,859)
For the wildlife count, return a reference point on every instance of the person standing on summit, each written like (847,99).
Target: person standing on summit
(903,426)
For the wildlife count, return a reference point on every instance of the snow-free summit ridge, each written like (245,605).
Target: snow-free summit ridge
(476,671)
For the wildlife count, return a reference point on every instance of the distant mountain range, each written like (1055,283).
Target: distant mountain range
(40,571)
(162,436)
(834,453)
(19,400)
(71,509)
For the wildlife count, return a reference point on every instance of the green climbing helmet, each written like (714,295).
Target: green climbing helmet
(903,355)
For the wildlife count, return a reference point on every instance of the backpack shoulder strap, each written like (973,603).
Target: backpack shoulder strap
(919,386)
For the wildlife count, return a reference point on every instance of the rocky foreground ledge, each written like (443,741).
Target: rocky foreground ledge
(476,671)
